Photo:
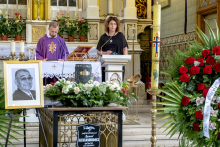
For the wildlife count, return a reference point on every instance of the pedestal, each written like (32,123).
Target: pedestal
(113,66)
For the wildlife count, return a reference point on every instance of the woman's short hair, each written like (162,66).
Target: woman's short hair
(110,19)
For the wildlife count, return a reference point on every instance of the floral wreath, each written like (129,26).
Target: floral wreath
(189,90)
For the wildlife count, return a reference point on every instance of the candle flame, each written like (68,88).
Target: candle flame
(157,3)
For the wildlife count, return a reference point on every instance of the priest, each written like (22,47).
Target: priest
(51,46)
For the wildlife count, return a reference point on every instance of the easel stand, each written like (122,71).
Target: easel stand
(9,128)
(38,115)
(24,126)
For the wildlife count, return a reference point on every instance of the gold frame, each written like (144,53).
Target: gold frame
(40,84)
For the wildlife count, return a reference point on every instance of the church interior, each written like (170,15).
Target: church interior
(177,27)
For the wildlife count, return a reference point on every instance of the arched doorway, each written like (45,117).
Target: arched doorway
(144,39)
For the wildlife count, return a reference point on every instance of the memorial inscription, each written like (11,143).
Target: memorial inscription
(88,135)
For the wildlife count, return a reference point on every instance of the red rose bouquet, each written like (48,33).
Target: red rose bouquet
(193,73)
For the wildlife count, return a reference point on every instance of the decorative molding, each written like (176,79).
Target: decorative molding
(92,35)
(38,32)
(141,6)
(129,35)
(117,77)
(164,3)
(178,38)
(141,28)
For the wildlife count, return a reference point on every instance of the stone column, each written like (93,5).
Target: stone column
(110,7)
(130,11)
(149,9)
(92,10)
(92,15)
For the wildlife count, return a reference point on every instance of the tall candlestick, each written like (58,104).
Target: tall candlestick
(155,69)
(67,6)
(12,46)
(7,6)
(22,46)
(17,5)
(57,6)
(156,46)
(76,5)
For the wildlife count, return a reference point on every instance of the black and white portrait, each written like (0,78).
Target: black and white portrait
(24,84)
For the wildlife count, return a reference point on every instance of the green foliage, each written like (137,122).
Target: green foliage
(83,27)
(71,29)
(5,119)
(4,25)
(17,25)
(62,20)
(181,117)
(92,94)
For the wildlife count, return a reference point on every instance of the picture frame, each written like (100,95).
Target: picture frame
(165,3)
(23,84)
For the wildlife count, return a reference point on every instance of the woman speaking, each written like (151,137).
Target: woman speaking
(112,42)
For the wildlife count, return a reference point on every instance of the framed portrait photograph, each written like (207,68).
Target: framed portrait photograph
(23,84)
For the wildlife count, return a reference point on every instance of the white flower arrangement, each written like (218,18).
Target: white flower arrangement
(92,93)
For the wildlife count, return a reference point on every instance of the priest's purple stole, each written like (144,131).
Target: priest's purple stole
(51,48)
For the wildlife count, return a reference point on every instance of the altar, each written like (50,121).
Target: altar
(66,69)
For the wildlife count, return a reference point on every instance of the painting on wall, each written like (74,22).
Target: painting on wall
(165,3)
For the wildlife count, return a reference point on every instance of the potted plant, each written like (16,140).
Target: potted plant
(62,20)
(17,27)
(70,30)
(83,29)
(4,26)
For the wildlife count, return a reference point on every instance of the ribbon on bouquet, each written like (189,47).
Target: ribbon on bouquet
(207,108)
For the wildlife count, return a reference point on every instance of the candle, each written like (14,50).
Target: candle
(12,46)
(76,5)
(7,6)
(57,5)
(17,5)
(68,6)
(156,46)
(22,46)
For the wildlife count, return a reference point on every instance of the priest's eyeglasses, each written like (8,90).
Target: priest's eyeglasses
(23,79)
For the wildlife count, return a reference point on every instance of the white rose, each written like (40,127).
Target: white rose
(69,86)
(65,90)
(57,83)
(68,82)
(47,87)
(91,85)
(76,90)
(96,83)
(0,12)
(112,87)
(86,86)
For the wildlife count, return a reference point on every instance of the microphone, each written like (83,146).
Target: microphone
(65,54)
(105,44)
(62,47)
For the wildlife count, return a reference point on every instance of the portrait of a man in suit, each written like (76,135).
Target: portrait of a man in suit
(23,80)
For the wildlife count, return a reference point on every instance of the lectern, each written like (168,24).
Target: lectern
(113,65)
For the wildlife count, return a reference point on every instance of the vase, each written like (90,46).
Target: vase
(70,38)
(4,37)
(17,37)
(82,38)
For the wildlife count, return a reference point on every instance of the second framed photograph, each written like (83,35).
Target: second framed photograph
(23,84)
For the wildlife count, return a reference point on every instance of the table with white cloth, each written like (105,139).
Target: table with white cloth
(29,52)
(66,69)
